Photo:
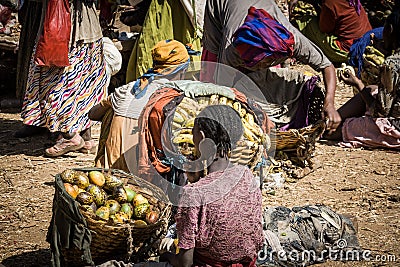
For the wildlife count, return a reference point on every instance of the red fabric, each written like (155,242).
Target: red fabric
(340,19)
(105,11)
(208,70)
(262,37)
(150,123)
(52,48)
(5,14)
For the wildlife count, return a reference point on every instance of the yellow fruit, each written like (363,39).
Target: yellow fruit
(97,178)
(242,112)
(183,138)
(249,118)
(214,99)
(186,131)
(189,109)
(139,199)
(103,212)
(139,223)
(113,206)
(85,198)
(237,106)
(141,210)
(178,118)
(222,100)
(130,193)
(70,190)
(182,112)
(68,176)
(81,180)
(121,217)
(190,102)
(189,123)
(119,194)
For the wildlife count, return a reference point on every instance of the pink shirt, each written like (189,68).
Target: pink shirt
(220,216)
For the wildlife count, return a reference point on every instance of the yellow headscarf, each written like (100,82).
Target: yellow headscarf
(168,53)
(169,57)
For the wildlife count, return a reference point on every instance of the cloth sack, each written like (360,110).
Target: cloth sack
(52,48)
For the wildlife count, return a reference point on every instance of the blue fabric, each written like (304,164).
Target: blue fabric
(358,48)
(150,75)
(260,37)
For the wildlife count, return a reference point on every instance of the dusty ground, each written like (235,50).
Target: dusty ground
(364,183)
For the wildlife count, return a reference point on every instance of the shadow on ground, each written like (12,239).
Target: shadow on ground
(38,258)
(30,146)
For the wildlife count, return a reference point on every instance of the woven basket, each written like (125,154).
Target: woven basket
(300,143)
(295,138)
(128,241)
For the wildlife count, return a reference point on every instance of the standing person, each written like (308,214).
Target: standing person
(338,24)
(372,117)
(219,216)
(223,18)
(59,98)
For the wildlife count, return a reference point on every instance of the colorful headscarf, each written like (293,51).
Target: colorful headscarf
(356,4)
(261,37)
(169,58)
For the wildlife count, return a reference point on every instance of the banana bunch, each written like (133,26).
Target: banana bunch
(374,56)
(303,8)
(373,59)
(252,143)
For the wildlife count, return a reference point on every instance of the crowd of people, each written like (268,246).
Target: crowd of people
(253,37)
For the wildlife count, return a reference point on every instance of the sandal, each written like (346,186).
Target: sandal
(89,147)
(64,146)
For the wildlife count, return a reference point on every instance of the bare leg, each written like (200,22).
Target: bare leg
(355,107)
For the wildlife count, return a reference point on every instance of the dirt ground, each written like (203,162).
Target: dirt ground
(363,183)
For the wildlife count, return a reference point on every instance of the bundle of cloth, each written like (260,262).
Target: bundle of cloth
(307,235)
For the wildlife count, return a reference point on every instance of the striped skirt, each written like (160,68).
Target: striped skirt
(60,98)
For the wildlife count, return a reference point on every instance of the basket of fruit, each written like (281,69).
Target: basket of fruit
(123,215)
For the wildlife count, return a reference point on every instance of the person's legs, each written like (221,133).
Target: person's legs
(355,107)
(90,145)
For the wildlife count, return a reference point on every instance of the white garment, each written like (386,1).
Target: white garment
(125,104)
(112,56)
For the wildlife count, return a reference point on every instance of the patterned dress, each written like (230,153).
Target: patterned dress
(220,217)
(59,98)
